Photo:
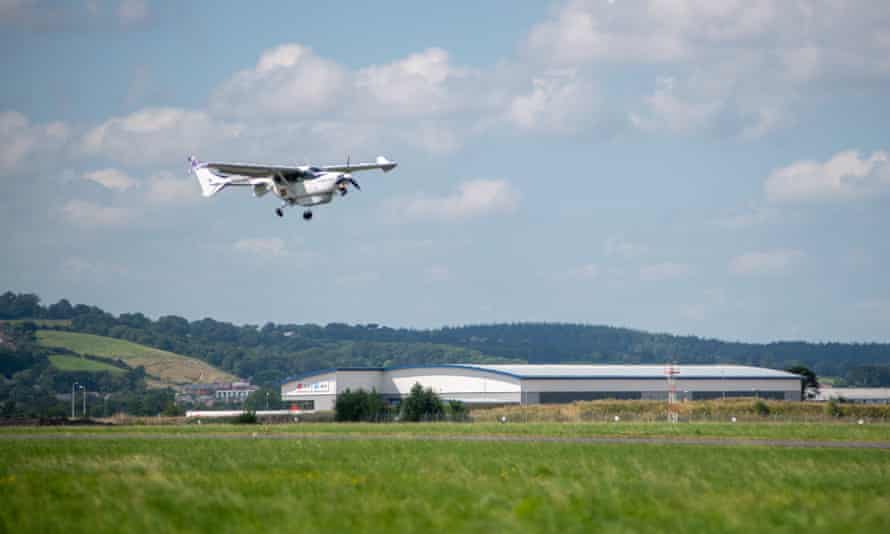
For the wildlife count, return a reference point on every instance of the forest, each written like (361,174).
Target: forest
(269,353)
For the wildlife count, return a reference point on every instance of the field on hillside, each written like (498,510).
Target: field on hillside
(65,362)
(197,483)
(169,367)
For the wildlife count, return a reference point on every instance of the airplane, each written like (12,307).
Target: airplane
(303,185)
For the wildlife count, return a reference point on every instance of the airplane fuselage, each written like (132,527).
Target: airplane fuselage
(309,192)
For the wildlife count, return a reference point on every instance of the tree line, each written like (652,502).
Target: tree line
(268,353)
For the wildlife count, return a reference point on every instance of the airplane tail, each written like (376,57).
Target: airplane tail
(210,183)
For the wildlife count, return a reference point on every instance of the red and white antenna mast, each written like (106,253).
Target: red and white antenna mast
(670,372)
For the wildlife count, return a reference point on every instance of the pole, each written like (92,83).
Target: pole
(73,389)
(84,400)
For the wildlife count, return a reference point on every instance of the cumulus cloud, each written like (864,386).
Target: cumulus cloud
(664,271)
(559,102)
(84,213)
(474,198)
(617,246)
(765,263)
(289,80)
(132,12)
(418,85)
(21,140)
(845,176)
(262,247)
(588,271)
(168,188)
(156,135)
(111,179)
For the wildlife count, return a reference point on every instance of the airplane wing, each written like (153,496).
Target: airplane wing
(252,170)
(382,163)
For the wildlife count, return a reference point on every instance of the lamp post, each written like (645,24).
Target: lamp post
(73,390)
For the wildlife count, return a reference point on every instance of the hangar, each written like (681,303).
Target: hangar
(477,384)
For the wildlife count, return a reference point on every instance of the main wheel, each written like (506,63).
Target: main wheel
(307,215)
(279,212)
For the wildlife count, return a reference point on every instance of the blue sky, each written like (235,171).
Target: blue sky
(715,168)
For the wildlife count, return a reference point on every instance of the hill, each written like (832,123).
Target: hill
(269,353)
(65,362)
(168,367)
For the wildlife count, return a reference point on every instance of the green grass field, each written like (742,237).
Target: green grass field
(64,362)
(39,322)
(169,367)
(197,484)
(841,431)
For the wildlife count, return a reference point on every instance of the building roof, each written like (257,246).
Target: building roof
(636,371)
(575,371)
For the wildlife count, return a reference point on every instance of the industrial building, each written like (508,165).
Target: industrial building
(542,384)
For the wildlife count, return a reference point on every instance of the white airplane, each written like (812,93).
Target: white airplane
(304,185)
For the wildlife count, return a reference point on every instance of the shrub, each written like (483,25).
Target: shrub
(833,408)
(422,405)
(761,408)
(246,418)
(360,406)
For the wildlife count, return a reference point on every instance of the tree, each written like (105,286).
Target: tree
(810,381)
(257,400)
(360,406)
(421,405)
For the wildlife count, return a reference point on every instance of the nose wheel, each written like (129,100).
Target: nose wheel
(307,215)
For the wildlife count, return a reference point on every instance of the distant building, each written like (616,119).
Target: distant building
(855,395)
(236,392)
(542,384)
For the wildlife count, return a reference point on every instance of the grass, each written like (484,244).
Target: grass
(198,484)
(64,362)
(169,367)
(39,322)
(785,431)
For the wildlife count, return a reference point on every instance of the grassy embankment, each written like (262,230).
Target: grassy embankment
(205,485)
(64,362)
(711,410)
(169,368)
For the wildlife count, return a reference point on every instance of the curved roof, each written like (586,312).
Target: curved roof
(574,371)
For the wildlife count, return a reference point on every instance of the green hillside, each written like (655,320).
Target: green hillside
(64,362)
(167,366)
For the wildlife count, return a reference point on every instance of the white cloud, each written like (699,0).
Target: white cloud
(262,247)
(417,85)
(617,246)
(111,179)
(560,102)
(132,12)
(21,141)
(664,271)
(438,273)
(157,135)
(474,198)
(588,271)
(846,176)
(89,214)
(167,188)
(289,80)
(765,263)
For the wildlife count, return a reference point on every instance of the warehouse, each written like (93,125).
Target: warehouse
(542,384)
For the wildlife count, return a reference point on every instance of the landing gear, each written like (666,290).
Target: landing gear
(307,215)
(279,212)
